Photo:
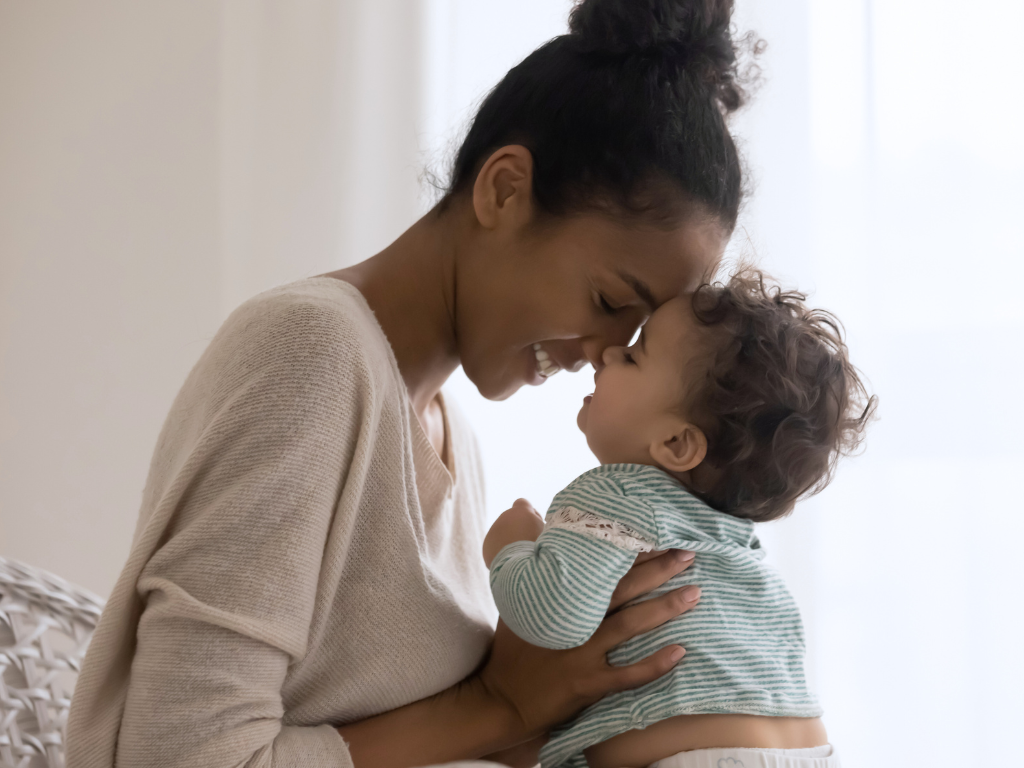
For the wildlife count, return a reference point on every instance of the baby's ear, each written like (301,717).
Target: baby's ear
(681,451)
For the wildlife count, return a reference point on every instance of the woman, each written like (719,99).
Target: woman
(305,587)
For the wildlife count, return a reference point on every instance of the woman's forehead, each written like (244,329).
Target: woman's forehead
(656,263)
(655,279)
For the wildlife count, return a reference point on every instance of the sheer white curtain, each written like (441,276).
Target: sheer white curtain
(886,153)
(918,238)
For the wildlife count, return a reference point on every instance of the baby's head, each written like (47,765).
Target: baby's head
(739,390)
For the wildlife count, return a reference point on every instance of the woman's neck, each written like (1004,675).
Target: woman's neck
(410,286)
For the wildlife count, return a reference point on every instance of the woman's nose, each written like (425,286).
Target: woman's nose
(595,348)
(608,356)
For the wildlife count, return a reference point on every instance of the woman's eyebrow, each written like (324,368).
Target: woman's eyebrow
(641,288)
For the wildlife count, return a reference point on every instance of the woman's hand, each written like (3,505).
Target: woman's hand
(523,690)
(520,523)
(541,687)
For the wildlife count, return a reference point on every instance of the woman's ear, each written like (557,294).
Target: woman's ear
(682,451)
(504,187)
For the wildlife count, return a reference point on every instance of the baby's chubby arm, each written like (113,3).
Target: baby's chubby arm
(552,587)
(520,523)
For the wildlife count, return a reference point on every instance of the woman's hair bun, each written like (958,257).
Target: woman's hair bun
(693,35)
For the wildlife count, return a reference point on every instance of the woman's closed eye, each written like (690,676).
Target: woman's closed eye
(605,306)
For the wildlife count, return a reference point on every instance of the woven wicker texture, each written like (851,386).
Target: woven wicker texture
(45,626)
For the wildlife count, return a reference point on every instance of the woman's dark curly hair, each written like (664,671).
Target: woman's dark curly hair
(627,112)
(781,401)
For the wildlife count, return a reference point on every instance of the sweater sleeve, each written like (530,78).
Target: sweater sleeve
(236,536)
(555,592)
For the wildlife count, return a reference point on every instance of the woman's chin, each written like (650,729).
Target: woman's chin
(499,388)
(490,387)
(499,391)
(522,370)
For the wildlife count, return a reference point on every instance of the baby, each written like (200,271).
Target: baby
(733,403)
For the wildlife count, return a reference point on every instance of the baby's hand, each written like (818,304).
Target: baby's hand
(521,523)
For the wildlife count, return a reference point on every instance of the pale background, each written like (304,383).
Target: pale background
(162,162)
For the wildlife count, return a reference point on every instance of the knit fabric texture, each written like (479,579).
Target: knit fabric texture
(302,559)
(744,641)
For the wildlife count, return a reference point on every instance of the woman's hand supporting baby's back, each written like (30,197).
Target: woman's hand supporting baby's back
(541,687)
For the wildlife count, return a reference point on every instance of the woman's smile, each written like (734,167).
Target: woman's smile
(533,366)
(546,366)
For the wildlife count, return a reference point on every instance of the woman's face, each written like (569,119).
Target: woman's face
(548,296)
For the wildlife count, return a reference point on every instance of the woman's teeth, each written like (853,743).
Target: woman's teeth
(546,367)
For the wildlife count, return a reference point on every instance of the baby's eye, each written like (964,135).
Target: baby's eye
(628,358)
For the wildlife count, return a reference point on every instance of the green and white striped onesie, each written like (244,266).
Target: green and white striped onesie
(744,641)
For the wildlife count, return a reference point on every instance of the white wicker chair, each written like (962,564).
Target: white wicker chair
(45,627)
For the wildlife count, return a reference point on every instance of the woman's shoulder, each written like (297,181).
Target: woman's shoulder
(318,308)
(316,323)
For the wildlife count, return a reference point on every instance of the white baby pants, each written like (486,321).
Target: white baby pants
(815,757)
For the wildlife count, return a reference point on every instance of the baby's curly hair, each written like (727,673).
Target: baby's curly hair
(781,401)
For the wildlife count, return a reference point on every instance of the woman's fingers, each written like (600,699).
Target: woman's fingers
(542,687)
(650,572)
(643,557)
(645,616)
(644,671)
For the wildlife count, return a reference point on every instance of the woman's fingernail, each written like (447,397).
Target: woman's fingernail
(691,594)
(677,654)
(684,556)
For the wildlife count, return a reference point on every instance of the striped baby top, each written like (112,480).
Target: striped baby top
(744,641)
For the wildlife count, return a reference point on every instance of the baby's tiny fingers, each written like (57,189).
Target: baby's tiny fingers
(522,505)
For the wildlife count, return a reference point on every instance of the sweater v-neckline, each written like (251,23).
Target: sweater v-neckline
(435,480)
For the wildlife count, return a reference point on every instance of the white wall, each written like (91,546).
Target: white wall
(160,163)
(319,160)
(110,281)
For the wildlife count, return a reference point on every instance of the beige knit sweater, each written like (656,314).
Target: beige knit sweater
(302,557)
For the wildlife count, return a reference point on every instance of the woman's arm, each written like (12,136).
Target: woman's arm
(522,690)
(216,601)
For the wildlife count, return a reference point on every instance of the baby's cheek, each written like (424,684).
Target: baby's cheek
(608,435)
(581,419)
